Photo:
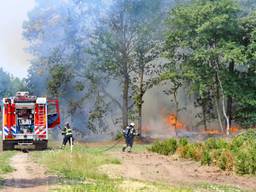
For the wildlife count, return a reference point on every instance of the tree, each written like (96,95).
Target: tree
(58,34)
(202,30)
(125,45)
(60,77)
(245,81)
(112,48)
(175,80)
(5,84)
(150,15)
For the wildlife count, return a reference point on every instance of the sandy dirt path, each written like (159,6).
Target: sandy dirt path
(28,176)
(154,167)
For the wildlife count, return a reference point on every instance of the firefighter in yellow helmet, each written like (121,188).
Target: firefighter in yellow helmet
(68,136)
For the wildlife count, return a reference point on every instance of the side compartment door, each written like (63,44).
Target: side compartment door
(13,119)
(7,114)
(40,119)
(5,119)
(53,113)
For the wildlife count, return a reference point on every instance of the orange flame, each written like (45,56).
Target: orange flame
(214,132)
(234,129)
(172,121)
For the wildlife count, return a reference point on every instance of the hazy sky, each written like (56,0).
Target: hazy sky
(13,58)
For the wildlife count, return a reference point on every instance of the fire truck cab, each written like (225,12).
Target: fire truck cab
(26,120)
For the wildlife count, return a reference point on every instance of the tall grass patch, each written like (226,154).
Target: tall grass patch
(79,165)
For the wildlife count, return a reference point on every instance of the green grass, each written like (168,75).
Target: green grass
(81,164)
(110,148)
(4,162)
(5,166)
(220,188)
(94,187)
(78,170)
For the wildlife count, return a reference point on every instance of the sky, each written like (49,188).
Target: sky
(13,58)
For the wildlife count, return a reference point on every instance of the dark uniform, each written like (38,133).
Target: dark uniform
(67,132)
(129,133)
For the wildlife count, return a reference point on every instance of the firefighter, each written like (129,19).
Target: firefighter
(67,133)
(129,133)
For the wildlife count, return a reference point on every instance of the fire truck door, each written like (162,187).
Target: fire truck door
(53,113)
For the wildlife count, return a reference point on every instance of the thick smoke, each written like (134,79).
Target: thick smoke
(59,33)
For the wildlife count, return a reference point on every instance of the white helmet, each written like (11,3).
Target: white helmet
(132,124)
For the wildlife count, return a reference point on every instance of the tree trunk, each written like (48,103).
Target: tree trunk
(230,99)
(176,109)
(204,115)
(217,99)
(229,109)
(141,93)
(125,101)
(223,105)
(140,120)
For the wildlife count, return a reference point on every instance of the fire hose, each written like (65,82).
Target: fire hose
(112,146)
(109,148)
(116,143)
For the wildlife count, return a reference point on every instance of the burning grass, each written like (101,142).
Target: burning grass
(237,155)
(170,124)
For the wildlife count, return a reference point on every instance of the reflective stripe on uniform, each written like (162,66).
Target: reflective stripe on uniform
(68,132)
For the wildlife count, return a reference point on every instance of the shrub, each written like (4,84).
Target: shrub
(198,153)
(206,158)
(195,151)
(191,151)
(226,160)
(172,143)
(215,155)
(167,147)
(183,141)
(243,140)
(245,161)
(214,143)
(238,155)
(182,151)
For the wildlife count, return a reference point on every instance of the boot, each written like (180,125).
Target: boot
(129,149)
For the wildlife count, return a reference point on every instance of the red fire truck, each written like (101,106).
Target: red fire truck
(26,120)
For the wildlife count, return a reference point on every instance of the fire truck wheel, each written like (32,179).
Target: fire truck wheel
(7,145)
(41,145)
